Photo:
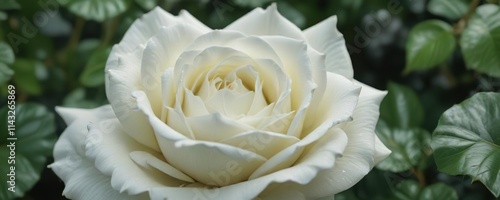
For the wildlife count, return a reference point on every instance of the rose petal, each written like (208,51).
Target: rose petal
(146,26)
(145,159)
(207,162)
(339,101)
(338,87)
(193,105)
(266,22)
(187,18)
(358,158)
(332,145)
(325,38)
(215,127)
(122,78)
(110,147)
(73,167)
(261,142)
(297,66)
(161,52)
(230,103)
(143,28)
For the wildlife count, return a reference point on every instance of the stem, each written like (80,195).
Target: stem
(449,76)
(460,25)
(76,34)
(420,177)
(73,42)
(109,31)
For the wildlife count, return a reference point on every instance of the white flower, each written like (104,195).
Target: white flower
(258,110)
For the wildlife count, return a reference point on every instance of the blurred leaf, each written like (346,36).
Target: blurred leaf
(6,53)
(401,108)
(34,130)
(3,16)
(409,147)
(9,5)
(251,3)
(409,190)
(438,191)
(76,99)
(5,73)
(292,14)
(451,9)
(98,10)
(93,74)
(480,40)
(147,4)
(467,140)
(429,44)
(25,76)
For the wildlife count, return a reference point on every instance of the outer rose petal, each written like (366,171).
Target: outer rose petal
(123,68)
(325,38)
(328,148)
(74,168)
(266,22)
(110,147)
(360,154)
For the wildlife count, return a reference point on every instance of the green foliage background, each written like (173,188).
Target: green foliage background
(429,55)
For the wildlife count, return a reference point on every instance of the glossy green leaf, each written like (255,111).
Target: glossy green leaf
(467,140)
(147,4)
(480,40)
(25,76)
(35,138)
(98,10)
(401,107)
(409,190)
(451,9)
(5,73)
(6,53)
(409,147)
(93,74)
(429,44)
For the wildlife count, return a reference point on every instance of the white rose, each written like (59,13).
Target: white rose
(258,110)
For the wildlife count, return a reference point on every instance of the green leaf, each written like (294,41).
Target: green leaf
(429,44)
(480,40)
(76,99)
(467,140)
(9,5)
(25,76)
(93,74)
(147,4)
(451,9)
(98,10)
(6,53)
(251,3)
(401,107)
(409,190)
(5,73)
(438,191)
(3,16)
(34,130)
(409,147)
(292,14)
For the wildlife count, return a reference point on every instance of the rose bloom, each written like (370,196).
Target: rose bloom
(257,110)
